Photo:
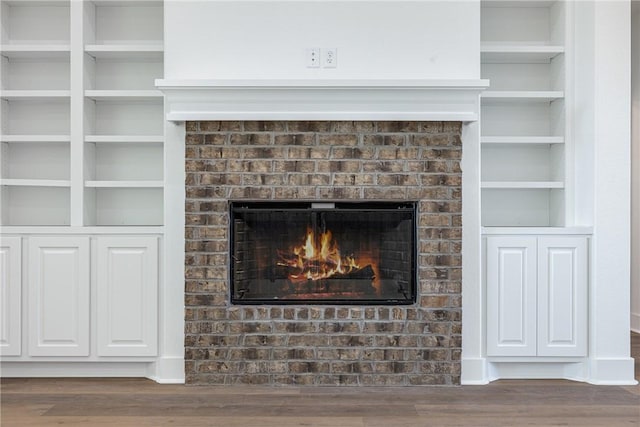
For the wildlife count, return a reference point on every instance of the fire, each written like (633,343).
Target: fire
(317,258)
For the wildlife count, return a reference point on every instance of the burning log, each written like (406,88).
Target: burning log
(284,271)
(317,267)
(362,273)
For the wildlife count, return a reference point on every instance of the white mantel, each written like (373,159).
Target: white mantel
(333,99)
(438,100)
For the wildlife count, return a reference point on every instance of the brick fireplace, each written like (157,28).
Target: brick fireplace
(317,161)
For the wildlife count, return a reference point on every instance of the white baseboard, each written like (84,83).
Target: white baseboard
(635,322)
(474,371)
(73,369)
(612,372)
(167,370)
(574,371)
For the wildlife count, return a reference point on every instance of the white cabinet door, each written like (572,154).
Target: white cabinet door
(58,301)
(562,296)
(10,296)
(127,296)
(511,296)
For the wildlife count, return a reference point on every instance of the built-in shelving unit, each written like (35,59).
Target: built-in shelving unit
(524,125)
(82,123)
(124,112)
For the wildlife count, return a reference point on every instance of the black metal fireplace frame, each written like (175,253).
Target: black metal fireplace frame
(290,206)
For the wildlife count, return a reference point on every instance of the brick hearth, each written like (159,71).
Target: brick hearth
(418,344)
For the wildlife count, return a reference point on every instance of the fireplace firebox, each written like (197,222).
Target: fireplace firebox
(317,253)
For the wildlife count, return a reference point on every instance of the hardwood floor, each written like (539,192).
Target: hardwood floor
(137,402)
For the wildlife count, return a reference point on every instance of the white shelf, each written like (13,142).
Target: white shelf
(32,51)
(522,140)
(120,95)
(128,3)
(518,53)
(124,51)
(124,184)
(35,182)
(34,138)
(40,3)
(34,94)
(518,3)
(67,230)
(537,230)
(521,96)
(124,138)
(522,184)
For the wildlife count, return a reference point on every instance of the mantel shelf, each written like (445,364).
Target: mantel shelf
(322,99)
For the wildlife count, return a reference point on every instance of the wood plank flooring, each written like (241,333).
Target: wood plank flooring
(139,402)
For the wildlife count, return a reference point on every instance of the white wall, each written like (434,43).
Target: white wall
(635,182)
(376,39)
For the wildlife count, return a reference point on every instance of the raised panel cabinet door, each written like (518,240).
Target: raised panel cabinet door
(127,296)
(10,296)
(58,301)
(562,296)
(511,296)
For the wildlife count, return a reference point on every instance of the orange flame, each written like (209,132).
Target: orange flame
(317,259)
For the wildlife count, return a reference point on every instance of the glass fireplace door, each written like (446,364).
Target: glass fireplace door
(323,253)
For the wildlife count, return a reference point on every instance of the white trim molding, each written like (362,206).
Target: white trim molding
(167,370)
(438,100)
(612,371)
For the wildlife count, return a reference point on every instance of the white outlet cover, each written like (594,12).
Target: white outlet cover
(329,57)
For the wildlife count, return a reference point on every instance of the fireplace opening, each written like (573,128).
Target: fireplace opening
(318,253)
